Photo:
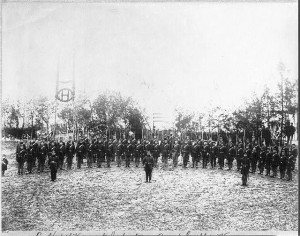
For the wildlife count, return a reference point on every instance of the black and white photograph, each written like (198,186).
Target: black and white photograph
(149,118)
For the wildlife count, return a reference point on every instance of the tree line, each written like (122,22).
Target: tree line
(113,114)
(268,114)
(110,113)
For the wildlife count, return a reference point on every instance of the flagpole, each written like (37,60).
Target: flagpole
(57,81)
(74,111)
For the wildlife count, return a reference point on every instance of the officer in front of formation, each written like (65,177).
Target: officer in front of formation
(148,163)
(53,163)
(240,156)
(245,168)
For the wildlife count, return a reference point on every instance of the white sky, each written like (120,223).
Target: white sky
(193,55)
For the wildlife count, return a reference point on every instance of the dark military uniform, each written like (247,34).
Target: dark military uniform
(165,153)
(148,162)
(4,165)
(151,147)
(62,152)
(214,155)
(245,170)
(120,150)
(282,165)
(42,157)
(254,159)
(133,146)
(186,154)
(30,159)
(206,156)
(86,145)
(261,161)
(95,151)
(101,154)
(195,154)
(239,158)
(115,145)
(109,153)
(222,154)
(294,153)
(53,163)
(70,151)
(56,148)
(90,155)
(80,153)
(21,158)
(156,153)
(289,167)
(231,156)
(35,152)
(146,148)
(275,163)
(268,162)
(176,150)
(138,154)
(128,154)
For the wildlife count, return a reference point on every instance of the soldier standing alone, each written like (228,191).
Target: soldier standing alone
(53,160)
(245,170)
(148,162)
(239,157)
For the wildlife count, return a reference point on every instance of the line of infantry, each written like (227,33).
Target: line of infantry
(98,151)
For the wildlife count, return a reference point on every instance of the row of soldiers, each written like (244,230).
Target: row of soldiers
(205,152)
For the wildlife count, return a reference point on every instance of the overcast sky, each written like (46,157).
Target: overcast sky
(193,55)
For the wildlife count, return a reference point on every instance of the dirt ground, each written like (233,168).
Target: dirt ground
(119,199)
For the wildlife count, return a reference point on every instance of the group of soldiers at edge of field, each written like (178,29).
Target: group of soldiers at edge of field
(249,158)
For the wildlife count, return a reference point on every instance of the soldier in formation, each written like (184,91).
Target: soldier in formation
(263,159)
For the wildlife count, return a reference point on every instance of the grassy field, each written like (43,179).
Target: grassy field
(119,199)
